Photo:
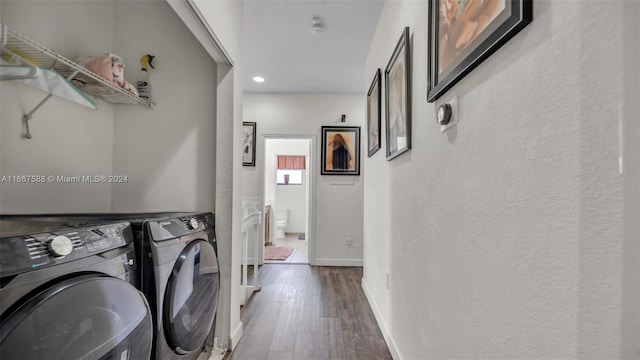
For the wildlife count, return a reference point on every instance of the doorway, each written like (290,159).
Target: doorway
(287,189)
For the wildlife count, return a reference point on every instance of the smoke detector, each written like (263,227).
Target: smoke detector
(317,26)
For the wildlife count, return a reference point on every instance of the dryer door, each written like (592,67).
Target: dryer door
(90,316)
(191,297)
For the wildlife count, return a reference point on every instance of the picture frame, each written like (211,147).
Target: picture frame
(248,144)
(374,110)
(397,76)
(456,47)
(340,150)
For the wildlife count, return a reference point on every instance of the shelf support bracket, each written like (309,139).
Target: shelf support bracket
(28,116)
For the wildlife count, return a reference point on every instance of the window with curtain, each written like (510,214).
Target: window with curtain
(291,162)
(290,168)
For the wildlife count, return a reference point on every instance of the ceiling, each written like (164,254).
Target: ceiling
(280,47)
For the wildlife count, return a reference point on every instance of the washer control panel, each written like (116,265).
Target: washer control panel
(52,246)
(103,238)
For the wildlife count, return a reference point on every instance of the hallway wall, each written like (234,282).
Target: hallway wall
(338,206)
(503,236)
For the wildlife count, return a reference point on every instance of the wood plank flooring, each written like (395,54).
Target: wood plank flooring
(309,313)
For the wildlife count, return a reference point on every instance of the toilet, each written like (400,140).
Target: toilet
(282,220)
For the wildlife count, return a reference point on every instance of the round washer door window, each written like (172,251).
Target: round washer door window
(90,316)
(191,297)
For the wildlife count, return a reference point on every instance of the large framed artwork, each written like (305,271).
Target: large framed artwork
(248,144)
(397,78)
(340,150)
(374,97)
(463,33)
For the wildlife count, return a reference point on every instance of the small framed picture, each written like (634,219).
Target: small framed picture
(373,115)
(340,150)
(398,98)
(248,144)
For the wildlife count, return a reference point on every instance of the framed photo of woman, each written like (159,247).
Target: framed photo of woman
(340,150)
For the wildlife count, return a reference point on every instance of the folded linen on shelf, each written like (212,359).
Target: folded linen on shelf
(110,67)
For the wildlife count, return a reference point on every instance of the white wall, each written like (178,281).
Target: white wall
(630,323)
(338,208)
(503,236)
(225,19)
(169,152)
(292,198)
(68,139)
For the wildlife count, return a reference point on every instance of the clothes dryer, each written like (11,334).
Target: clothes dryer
(69,292)
(183,278)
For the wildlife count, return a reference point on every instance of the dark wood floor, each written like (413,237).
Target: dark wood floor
(305,312)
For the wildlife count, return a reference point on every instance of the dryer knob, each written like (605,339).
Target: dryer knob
(193,223)
(60,246)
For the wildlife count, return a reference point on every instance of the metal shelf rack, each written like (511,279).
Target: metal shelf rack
(38,55)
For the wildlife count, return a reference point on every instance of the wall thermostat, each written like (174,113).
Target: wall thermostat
(444,114)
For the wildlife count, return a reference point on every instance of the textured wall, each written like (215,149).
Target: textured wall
(503,236)
(68,139)
(225,19)
(630,323)
(169,152)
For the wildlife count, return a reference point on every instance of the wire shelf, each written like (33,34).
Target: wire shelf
(89,82)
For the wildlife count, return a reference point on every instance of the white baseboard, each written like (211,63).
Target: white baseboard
(386,334)
(235,336)
(338,262)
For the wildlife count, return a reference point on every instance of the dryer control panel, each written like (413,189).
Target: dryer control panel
(178,226)
(48,246)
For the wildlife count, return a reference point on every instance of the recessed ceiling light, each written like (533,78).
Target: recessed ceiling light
(258,79)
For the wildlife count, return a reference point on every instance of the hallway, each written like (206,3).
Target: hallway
(305,312)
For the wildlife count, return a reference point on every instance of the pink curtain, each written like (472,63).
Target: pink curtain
(291,162)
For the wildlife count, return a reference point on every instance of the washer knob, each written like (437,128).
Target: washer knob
(193,223)
(60,246)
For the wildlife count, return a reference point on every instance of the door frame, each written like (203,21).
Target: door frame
(311,176)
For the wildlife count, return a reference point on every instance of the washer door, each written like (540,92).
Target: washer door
(90,316)
(191,297)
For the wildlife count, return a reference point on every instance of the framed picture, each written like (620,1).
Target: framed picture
(248,144)
(340,150)
(397,78)
(374,102)
(464,34)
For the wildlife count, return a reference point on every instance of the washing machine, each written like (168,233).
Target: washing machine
(179,275)
(69,292)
